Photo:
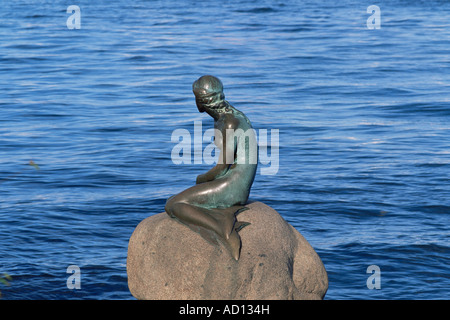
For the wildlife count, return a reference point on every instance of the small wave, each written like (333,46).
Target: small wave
(257,10)
(436,109)
(138,58)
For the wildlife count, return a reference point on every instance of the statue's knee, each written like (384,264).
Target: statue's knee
(177,209)
(168,208)
(173,206)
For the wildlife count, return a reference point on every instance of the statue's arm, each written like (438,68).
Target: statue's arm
(228,148)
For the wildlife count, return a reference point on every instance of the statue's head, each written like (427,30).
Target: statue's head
(208,91)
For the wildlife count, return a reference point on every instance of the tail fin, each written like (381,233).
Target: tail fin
(239,225)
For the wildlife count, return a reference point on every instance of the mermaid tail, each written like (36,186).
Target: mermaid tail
(231,238)
(228,234)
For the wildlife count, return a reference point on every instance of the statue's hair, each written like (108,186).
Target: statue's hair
(208,86)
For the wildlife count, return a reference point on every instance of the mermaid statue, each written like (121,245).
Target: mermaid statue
(211,206)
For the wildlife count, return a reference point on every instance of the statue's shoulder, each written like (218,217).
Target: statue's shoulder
(242,118)
(231,122)
(233,118)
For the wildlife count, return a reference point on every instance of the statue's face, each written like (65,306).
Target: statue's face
(203,100)
(200,104)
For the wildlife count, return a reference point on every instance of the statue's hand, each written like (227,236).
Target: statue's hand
(216,172)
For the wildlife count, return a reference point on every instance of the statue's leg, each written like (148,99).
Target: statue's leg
(193,215)
(221,221)
(196,207)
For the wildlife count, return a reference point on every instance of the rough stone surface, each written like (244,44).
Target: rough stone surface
(167,260)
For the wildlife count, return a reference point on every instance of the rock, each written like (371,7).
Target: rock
(167,260)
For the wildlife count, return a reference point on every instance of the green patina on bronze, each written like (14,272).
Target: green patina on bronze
(211,206)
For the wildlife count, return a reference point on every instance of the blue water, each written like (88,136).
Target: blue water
(363,117)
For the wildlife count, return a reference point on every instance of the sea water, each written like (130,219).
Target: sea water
(90,98)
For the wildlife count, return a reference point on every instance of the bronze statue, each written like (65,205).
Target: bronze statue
(211,206)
